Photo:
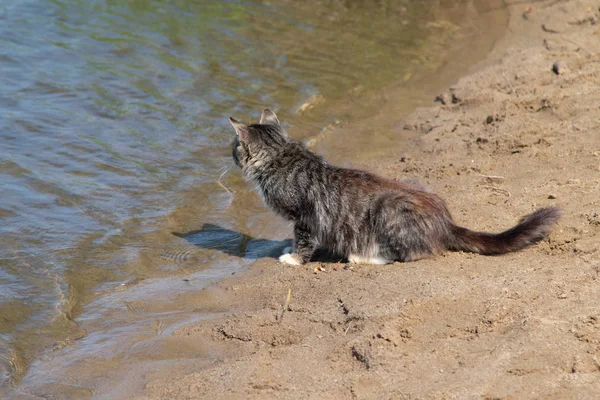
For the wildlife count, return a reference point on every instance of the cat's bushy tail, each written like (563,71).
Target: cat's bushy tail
(530,229)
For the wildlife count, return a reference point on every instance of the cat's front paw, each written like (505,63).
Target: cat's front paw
(290,258)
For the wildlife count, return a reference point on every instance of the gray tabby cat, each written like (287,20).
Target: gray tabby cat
(364,217)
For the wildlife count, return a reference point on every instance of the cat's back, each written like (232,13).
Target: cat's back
(294,155)
(366,184)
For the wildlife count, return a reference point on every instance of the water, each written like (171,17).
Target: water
(117,202)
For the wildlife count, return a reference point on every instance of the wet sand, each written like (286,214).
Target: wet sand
(511,137)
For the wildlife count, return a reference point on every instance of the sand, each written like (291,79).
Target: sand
(511,137)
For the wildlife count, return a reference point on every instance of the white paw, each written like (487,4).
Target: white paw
(354,259)
(377,260)
(289,258)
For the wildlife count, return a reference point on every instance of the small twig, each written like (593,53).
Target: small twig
(286,304)
(492,176)
(509,84)
(225,187)
(548,30)
(495,189)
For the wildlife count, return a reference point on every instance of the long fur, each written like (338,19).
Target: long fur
(357,214)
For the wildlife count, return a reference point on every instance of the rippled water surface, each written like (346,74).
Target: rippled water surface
(116,204)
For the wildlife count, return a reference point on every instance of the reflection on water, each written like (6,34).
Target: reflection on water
(113,134)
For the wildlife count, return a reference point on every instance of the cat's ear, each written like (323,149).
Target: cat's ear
(240,129)
(268,117)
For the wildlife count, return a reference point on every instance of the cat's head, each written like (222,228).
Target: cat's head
(256,143)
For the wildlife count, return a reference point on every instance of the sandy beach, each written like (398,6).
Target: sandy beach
(521,132)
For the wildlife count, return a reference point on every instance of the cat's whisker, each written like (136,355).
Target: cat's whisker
(223,170)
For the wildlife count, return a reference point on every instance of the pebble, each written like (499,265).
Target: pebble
(559,67)
(443,98)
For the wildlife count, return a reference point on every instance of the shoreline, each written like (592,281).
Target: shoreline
(511,137)
(132,318)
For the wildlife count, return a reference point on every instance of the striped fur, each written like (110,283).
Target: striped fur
(361,216)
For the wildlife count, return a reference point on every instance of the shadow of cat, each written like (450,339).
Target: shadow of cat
(237,244)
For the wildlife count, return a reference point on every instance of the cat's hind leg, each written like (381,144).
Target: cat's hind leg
(370,254)
(376,260)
